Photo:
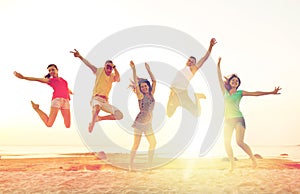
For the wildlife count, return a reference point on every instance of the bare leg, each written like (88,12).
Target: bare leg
(227,142)
(240,134)
(67,117)
(173,103)
(198,96)
(152,144)
(193,108)
(136,143)
(118,115)
(95,112)
(47,120)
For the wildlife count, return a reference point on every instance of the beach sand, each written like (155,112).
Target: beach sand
(85,173)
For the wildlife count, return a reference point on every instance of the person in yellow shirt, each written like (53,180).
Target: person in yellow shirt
(105,76)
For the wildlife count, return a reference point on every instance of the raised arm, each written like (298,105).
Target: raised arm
(20,76)
(117,74)
(259,93)
(221,82)
(135,80)
(205,57)
(86,62)
(152,78)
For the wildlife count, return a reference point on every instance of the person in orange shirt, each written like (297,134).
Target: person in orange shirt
(105,76)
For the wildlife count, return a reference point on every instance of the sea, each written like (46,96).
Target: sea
(291,152)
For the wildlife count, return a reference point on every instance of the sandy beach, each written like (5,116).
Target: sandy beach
(85,173)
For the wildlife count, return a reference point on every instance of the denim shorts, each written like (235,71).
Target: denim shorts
(233,122)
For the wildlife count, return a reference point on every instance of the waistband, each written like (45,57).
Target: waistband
(102,96)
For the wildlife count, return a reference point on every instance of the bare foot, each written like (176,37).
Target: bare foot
(231,167)
(101,155)
(149,166)
(200,96)
(34,106)
(91,127)
(130,167)
(254,164)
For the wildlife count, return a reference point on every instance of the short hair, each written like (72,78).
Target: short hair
(108,61)
(193,58)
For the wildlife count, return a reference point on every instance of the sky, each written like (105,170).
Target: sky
(258,40)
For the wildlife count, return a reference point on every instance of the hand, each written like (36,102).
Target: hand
(147,66)
(213,41)
(71,92)
(18,75)
(132,64)
(76,53)
(276,90)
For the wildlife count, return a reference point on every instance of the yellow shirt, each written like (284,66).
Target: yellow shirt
(103,83)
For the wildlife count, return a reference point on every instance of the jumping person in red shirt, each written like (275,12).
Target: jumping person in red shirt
(60,98)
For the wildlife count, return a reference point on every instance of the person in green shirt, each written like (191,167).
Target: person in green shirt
(233,116)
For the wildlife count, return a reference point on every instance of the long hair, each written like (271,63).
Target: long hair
(51,65)
(147,82)
(228,79)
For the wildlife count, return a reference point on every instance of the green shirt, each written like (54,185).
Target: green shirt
(232,104)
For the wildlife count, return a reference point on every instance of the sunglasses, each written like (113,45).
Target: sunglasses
(108,67)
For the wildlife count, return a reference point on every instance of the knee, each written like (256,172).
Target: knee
(227,144)
(118,115)
(49,124)
(197,113)
(227,139)
(170,112)
(152,145)
(96,108)
(240,143)
(134,147)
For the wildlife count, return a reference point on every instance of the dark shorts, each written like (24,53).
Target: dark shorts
(233,122)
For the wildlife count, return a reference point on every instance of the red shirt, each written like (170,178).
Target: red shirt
(60,87)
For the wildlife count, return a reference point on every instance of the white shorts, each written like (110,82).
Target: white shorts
(104,105)
(60,103)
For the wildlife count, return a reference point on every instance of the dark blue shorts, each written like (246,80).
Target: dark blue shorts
(232,122)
